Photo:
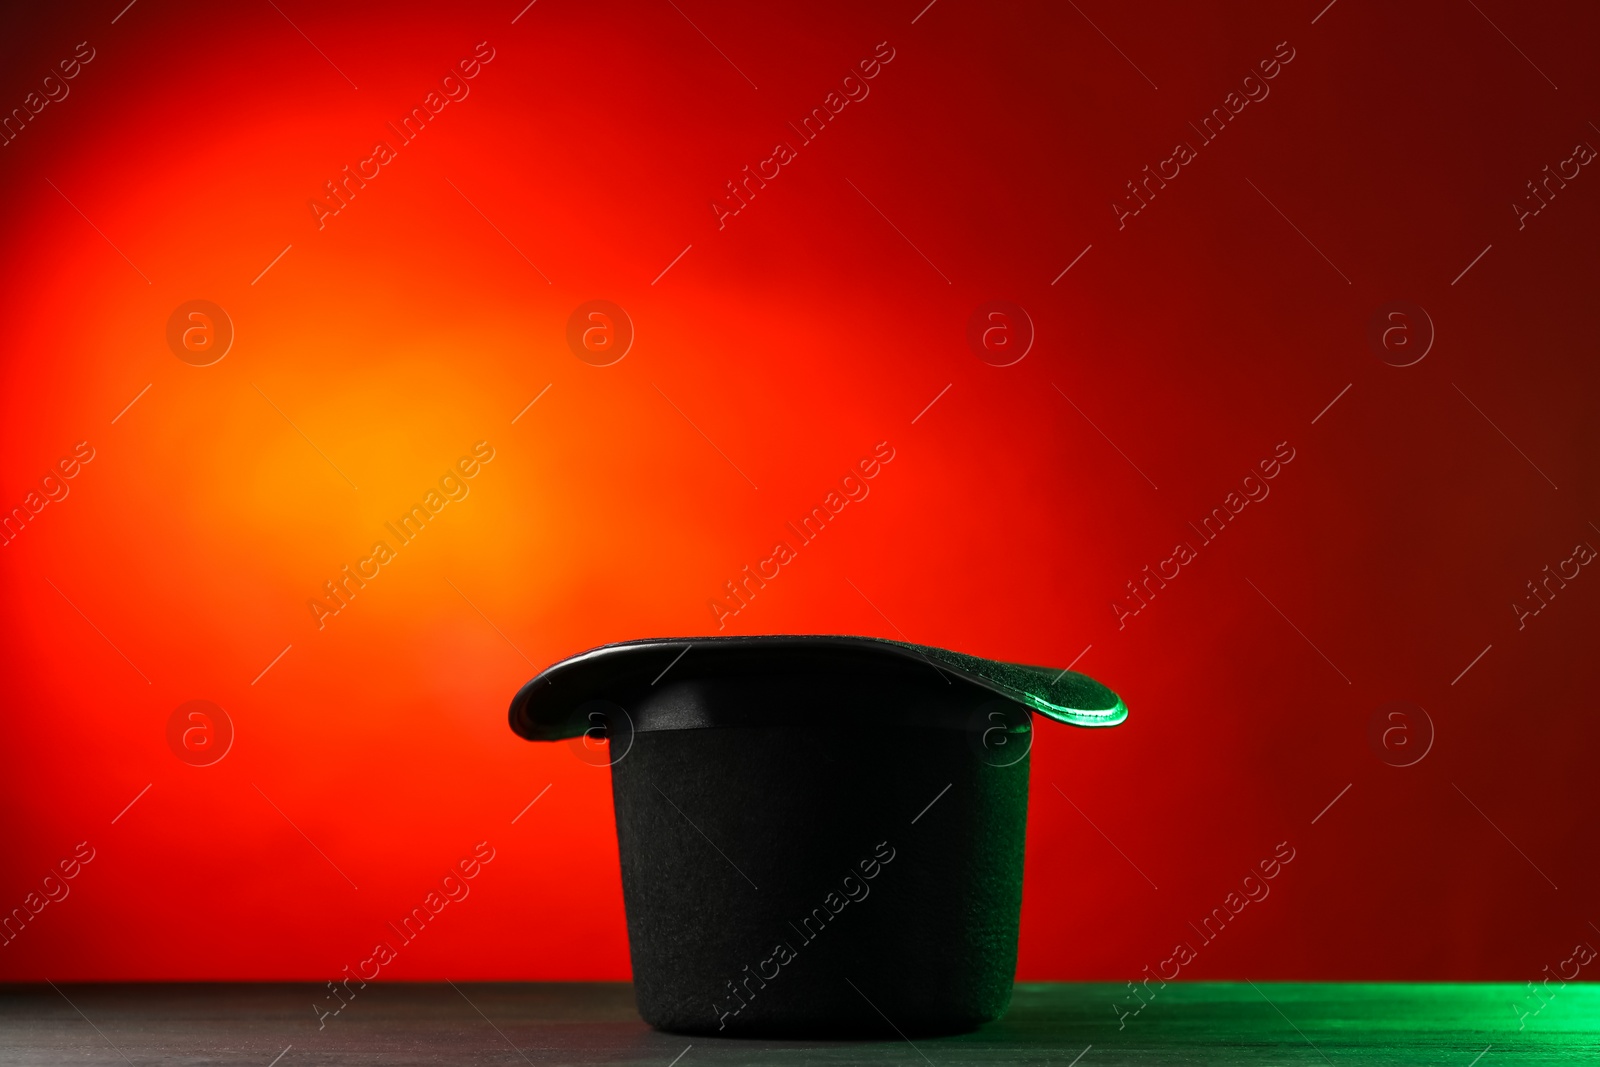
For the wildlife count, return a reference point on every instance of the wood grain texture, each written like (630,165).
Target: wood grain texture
(505,1023)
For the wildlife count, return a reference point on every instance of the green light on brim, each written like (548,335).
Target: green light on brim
(1079,716)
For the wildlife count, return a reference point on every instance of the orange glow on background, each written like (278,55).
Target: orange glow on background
(771,352)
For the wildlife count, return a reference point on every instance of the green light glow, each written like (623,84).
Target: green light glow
(1079,716)
(543,711)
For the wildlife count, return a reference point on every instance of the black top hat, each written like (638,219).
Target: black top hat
(819,835)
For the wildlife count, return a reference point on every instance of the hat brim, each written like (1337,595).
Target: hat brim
(543,709)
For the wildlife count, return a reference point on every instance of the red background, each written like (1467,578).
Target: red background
(1199,336)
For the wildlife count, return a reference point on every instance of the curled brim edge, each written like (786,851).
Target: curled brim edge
(541,709)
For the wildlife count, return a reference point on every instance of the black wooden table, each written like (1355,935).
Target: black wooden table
(540,1024)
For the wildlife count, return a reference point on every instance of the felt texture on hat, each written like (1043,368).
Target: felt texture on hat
(795,881)
(544,709)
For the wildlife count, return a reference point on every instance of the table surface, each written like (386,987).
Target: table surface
(517,1023)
